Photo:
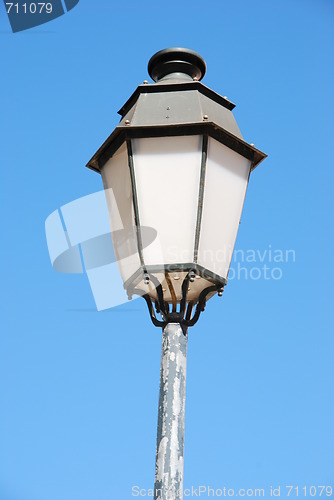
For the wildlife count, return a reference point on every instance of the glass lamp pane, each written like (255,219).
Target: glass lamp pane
(117,184)
(167,172)
(226,182)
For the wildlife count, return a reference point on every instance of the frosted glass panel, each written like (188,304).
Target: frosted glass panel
(224,193)
(117,184)
(167,171)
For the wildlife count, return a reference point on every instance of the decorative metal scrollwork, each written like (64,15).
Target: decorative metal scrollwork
(185,315)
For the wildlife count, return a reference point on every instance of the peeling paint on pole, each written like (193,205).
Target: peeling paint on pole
(170,439)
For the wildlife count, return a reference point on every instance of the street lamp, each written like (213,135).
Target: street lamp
(177,165)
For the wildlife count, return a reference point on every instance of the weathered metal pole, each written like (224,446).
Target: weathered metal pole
(172,395)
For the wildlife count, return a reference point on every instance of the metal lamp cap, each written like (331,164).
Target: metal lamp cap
(175,61)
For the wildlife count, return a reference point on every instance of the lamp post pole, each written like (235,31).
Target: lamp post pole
(171,414)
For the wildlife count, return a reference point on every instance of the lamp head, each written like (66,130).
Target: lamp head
(177,164)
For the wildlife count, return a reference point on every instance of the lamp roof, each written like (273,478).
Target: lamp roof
(178,104)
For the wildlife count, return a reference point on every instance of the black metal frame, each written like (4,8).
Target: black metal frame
(135,202)
(184,314)
(169,268)
(123,133)
(160,306)
(201,194)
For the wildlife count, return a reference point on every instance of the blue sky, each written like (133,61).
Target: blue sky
(79,388)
